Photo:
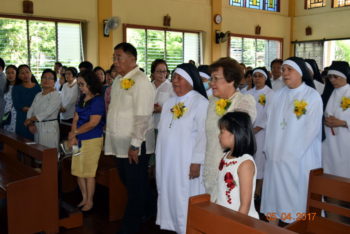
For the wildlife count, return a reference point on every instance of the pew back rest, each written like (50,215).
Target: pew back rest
(329,186)
(209,218)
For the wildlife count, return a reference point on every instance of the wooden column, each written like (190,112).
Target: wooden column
(216,8)
(105,44)
(291,14)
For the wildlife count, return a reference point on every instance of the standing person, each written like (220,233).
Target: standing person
(276,72)
(315,74)
(335,148)
(226,76)
(69,95)
(11,76)
(248,83)
(164,90)
(87,133)
(57,69)
(85,66)
(181,148)
(129,113)
(237,170)
(42,115)
(262,93)
(292,143)
(206,78)
(2,88)
(23,95)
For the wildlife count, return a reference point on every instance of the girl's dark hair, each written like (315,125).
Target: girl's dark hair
(19,81)
(73,70)
(240,125)
(50,71)
(93,83)
(156,62)
(7,85)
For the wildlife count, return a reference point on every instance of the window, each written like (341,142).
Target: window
(267,5)
(255,52)
(340,3)
(40,43)
(324,51)
(309,4)
(175,47)
(310,50)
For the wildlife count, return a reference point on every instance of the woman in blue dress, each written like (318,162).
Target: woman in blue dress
(23,94)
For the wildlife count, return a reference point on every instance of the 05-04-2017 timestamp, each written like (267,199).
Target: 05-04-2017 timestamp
(309,216)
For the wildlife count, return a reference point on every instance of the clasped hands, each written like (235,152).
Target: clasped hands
(333,122)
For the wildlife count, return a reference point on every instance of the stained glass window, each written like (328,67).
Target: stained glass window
(341,3)
(309,4)
(267,5)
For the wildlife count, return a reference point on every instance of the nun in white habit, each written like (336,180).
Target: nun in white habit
(292,142)
(336,148)
(180,148)
(262,93)
(315,74)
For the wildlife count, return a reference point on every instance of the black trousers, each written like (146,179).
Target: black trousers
(135,178)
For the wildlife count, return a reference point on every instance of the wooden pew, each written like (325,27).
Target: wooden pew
(31,194)
(107,176)
(330,186)
(209,218)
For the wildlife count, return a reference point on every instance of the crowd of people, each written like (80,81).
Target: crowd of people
(240,134)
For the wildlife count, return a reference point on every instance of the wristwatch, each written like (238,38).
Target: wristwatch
(134,147)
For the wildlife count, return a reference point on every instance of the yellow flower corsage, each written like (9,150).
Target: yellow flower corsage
(300,108)
(262,99)
(345,103)
(126,83)
(179,110)
(221,106)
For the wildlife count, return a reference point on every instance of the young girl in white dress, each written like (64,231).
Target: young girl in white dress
(237,170)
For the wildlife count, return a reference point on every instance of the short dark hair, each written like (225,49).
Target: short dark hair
(240,125)
(87,65)
(156,62)
(50,71)
(94,84)
(231,68)
(73,70)
(280,61)
(2,63)
(98,68)
(58,63)
(127,48)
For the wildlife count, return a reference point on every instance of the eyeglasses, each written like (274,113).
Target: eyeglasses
(215,79)
(81,84)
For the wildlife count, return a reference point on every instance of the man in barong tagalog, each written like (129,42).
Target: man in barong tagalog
(128,118)
(181,148)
